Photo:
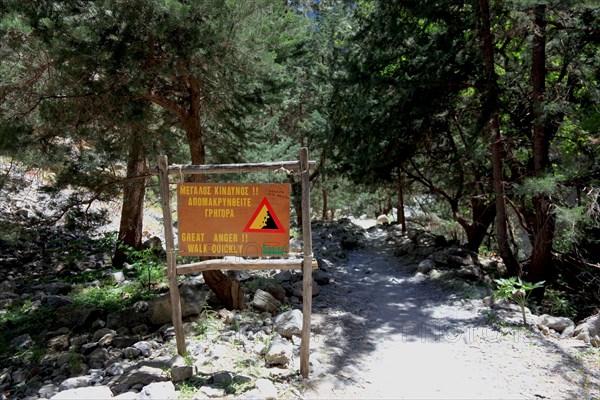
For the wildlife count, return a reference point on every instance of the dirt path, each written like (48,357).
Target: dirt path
(380,331)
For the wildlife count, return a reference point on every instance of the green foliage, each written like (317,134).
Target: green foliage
(110,296)
(516,290)
(238,388)
(532,187)
(571,222)
(558,303)
(148,265)
(207,324)
(27,318)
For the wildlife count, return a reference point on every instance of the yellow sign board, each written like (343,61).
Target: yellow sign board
(246,220)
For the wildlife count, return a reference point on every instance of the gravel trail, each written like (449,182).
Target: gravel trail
(382,331)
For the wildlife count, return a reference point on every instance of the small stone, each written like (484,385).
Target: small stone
(425,266)
(158,391)
(559,324)
(100,333)
(98,358)
(22,342)
(107,339)
(289,323)
(276,291)
(48,390)
(115,369)
(265,301)
(87,348)
(141,376)
(241,379)
(98,324)
(79,340)
(59,343)
(266,388)
(131,353)
(222,379)
(94,392)
(76,382)
(118,277)
(140,306)
(212,392)
(584,336)
(179,370)
(122,342)
(280,352)
(298,289)
(144,347)
(568,332)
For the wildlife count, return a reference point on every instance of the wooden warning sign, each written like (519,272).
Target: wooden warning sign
(247,220)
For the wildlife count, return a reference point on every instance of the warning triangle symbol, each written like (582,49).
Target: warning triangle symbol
(264,220)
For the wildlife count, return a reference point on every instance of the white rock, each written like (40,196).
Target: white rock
(289,323)
(559,324)
(425,266)
(87,393)
(158,391)
(592,324)
(118,276)
(266,388)
(212,392)
(126,396)
(280,352)
(382,219)
(144,347)
(74,383)
(47,391)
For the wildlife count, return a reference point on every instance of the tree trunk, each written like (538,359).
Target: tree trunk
(132,213)
(400,213)
(483,216)
(492,121)
(544,220)
(324,214)
(227,290)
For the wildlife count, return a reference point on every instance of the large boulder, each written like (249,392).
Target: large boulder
(193,300)
(588,329)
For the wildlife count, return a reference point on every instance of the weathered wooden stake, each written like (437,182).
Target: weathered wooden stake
(163,169)
(307,266)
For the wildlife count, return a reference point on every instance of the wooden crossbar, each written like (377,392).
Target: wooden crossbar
(219,264)
(284,166)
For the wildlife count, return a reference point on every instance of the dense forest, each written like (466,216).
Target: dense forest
(479,120)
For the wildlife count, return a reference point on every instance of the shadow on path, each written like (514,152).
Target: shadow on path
(376,304)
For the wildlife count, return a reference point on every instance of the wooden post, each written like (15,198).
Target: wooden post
(307,265)
(163,174)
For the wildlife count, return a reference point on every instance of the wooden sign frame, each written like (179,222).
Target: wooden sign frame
(306,263)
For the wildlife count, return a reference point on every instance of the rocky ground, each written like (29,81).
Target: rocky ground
(385,325)
(393,317)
